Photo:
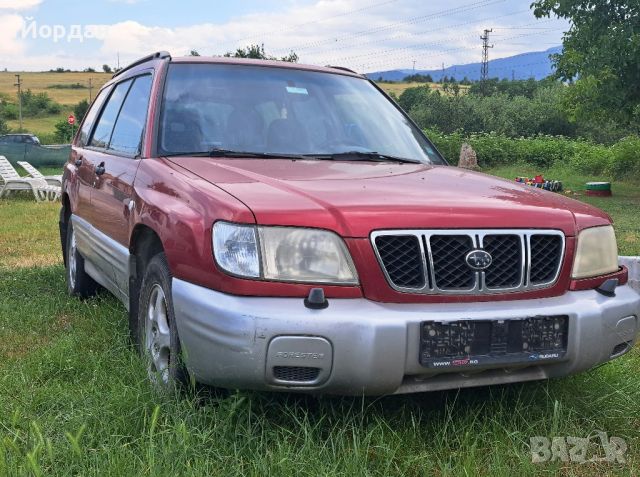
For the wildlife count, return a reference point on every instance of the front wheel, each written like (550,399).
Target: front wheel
(158,335)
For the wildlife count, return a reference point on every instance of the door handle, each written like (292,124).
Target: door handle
(78,162)
(100,169)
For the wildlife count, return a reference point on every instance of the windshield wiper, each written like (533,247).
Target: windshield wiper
(218,152)
(362,156)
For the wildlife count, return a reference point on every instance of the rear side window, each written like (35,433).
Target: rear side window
(90,118)
(102,134)
(127,133)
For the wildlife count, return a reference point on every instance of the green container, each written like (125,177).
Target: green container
(598,186)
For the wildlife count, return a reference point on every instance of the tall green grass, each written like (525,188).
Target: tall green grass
(74,400)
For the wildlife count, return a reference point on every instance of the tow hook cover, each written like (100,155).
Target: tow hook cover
(626,328)
(298,361)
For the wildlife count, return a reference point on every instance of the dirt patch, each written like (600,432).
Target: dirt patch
(16,346)
(36,260)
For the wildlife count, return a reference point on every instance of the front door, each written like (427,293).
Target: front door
(114,151)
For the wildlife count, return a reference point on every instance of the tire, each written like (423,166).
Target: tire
(79,283)
(157,332)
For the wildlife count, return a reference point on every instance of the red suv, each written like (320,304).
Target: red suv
(284,227)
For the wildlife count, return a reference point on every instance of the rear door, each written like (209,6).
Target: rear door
(81,189)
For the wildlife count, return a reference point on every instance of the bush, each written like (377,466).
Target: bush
(80,109)
(625,161)
(38,105)
(48,138)
(617,161)
(511,116)
(9,111)
(62,134)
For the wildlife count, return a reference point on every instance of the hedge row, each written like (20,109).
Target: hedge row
(619,160)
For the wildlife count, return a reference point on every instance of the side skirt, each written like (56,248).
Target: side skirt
(105,260)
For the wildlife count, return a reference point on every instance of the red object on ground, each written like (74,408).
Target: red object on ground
(71,119)
(538,179)
(598,193)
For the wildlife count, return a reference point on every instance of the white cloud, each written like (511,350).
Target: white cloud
(360,34)
(18,4)
(10,27)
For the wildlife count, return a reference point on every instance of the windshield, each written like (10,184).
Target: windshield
(269,110)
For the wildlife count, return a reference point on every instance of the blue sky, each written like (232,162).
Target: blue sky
(367,35)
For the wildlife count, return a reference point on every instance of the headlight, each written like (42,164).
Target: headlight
(596,253)
(236,249)
(283,254)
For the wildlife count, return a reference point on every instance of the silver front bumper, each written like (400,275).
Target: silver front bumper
(365,347)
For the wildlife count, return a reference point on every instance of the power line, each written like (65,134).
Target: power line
(409,21)
(313,22)
(402,48)
(431,30)
(449,50)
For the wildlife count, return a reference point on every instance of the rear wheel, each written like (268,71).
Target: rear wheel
(79,283)
(157,332)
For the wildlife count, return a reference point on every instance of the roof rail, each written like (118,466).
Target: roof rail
(158,55)
(343,69)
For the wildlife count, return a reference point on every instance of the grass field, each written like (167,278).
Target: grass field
(398,88)
(41,83)
(74,398)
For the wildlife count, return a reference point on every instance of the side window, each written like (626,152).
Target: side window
(127,133)
(102,134)
(90,118)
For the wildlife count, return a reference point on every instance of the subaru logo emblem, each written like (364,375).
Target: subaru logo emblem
(478,259)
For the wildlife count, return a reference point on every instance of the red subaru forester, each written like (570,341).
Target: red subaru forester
(276,226)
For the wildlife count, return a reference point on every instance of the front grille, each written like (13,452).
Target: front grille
(435,261)
(450,269)
(546,251)
(398,254)
(505,270)
(296,373)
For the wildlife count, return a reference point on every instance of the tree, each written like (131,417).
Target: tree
(80,109)
(418,78)
(600,53)
(258,52)
(194,53)
(89,70)
(4,129)
(107,69)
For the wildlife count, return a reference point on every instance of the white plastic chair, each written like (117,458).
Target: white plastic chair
(13,182)
(36,174)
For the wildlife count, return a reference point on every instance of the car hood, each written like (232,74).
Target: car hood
(353,197)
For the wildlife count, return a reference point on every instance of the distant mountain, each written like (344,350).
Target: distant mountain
(535,64)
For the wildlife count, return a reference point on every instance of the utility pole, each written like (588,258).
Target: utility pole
(442,79)
(90,87)
(484,72)
(18,83)
(414,65)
